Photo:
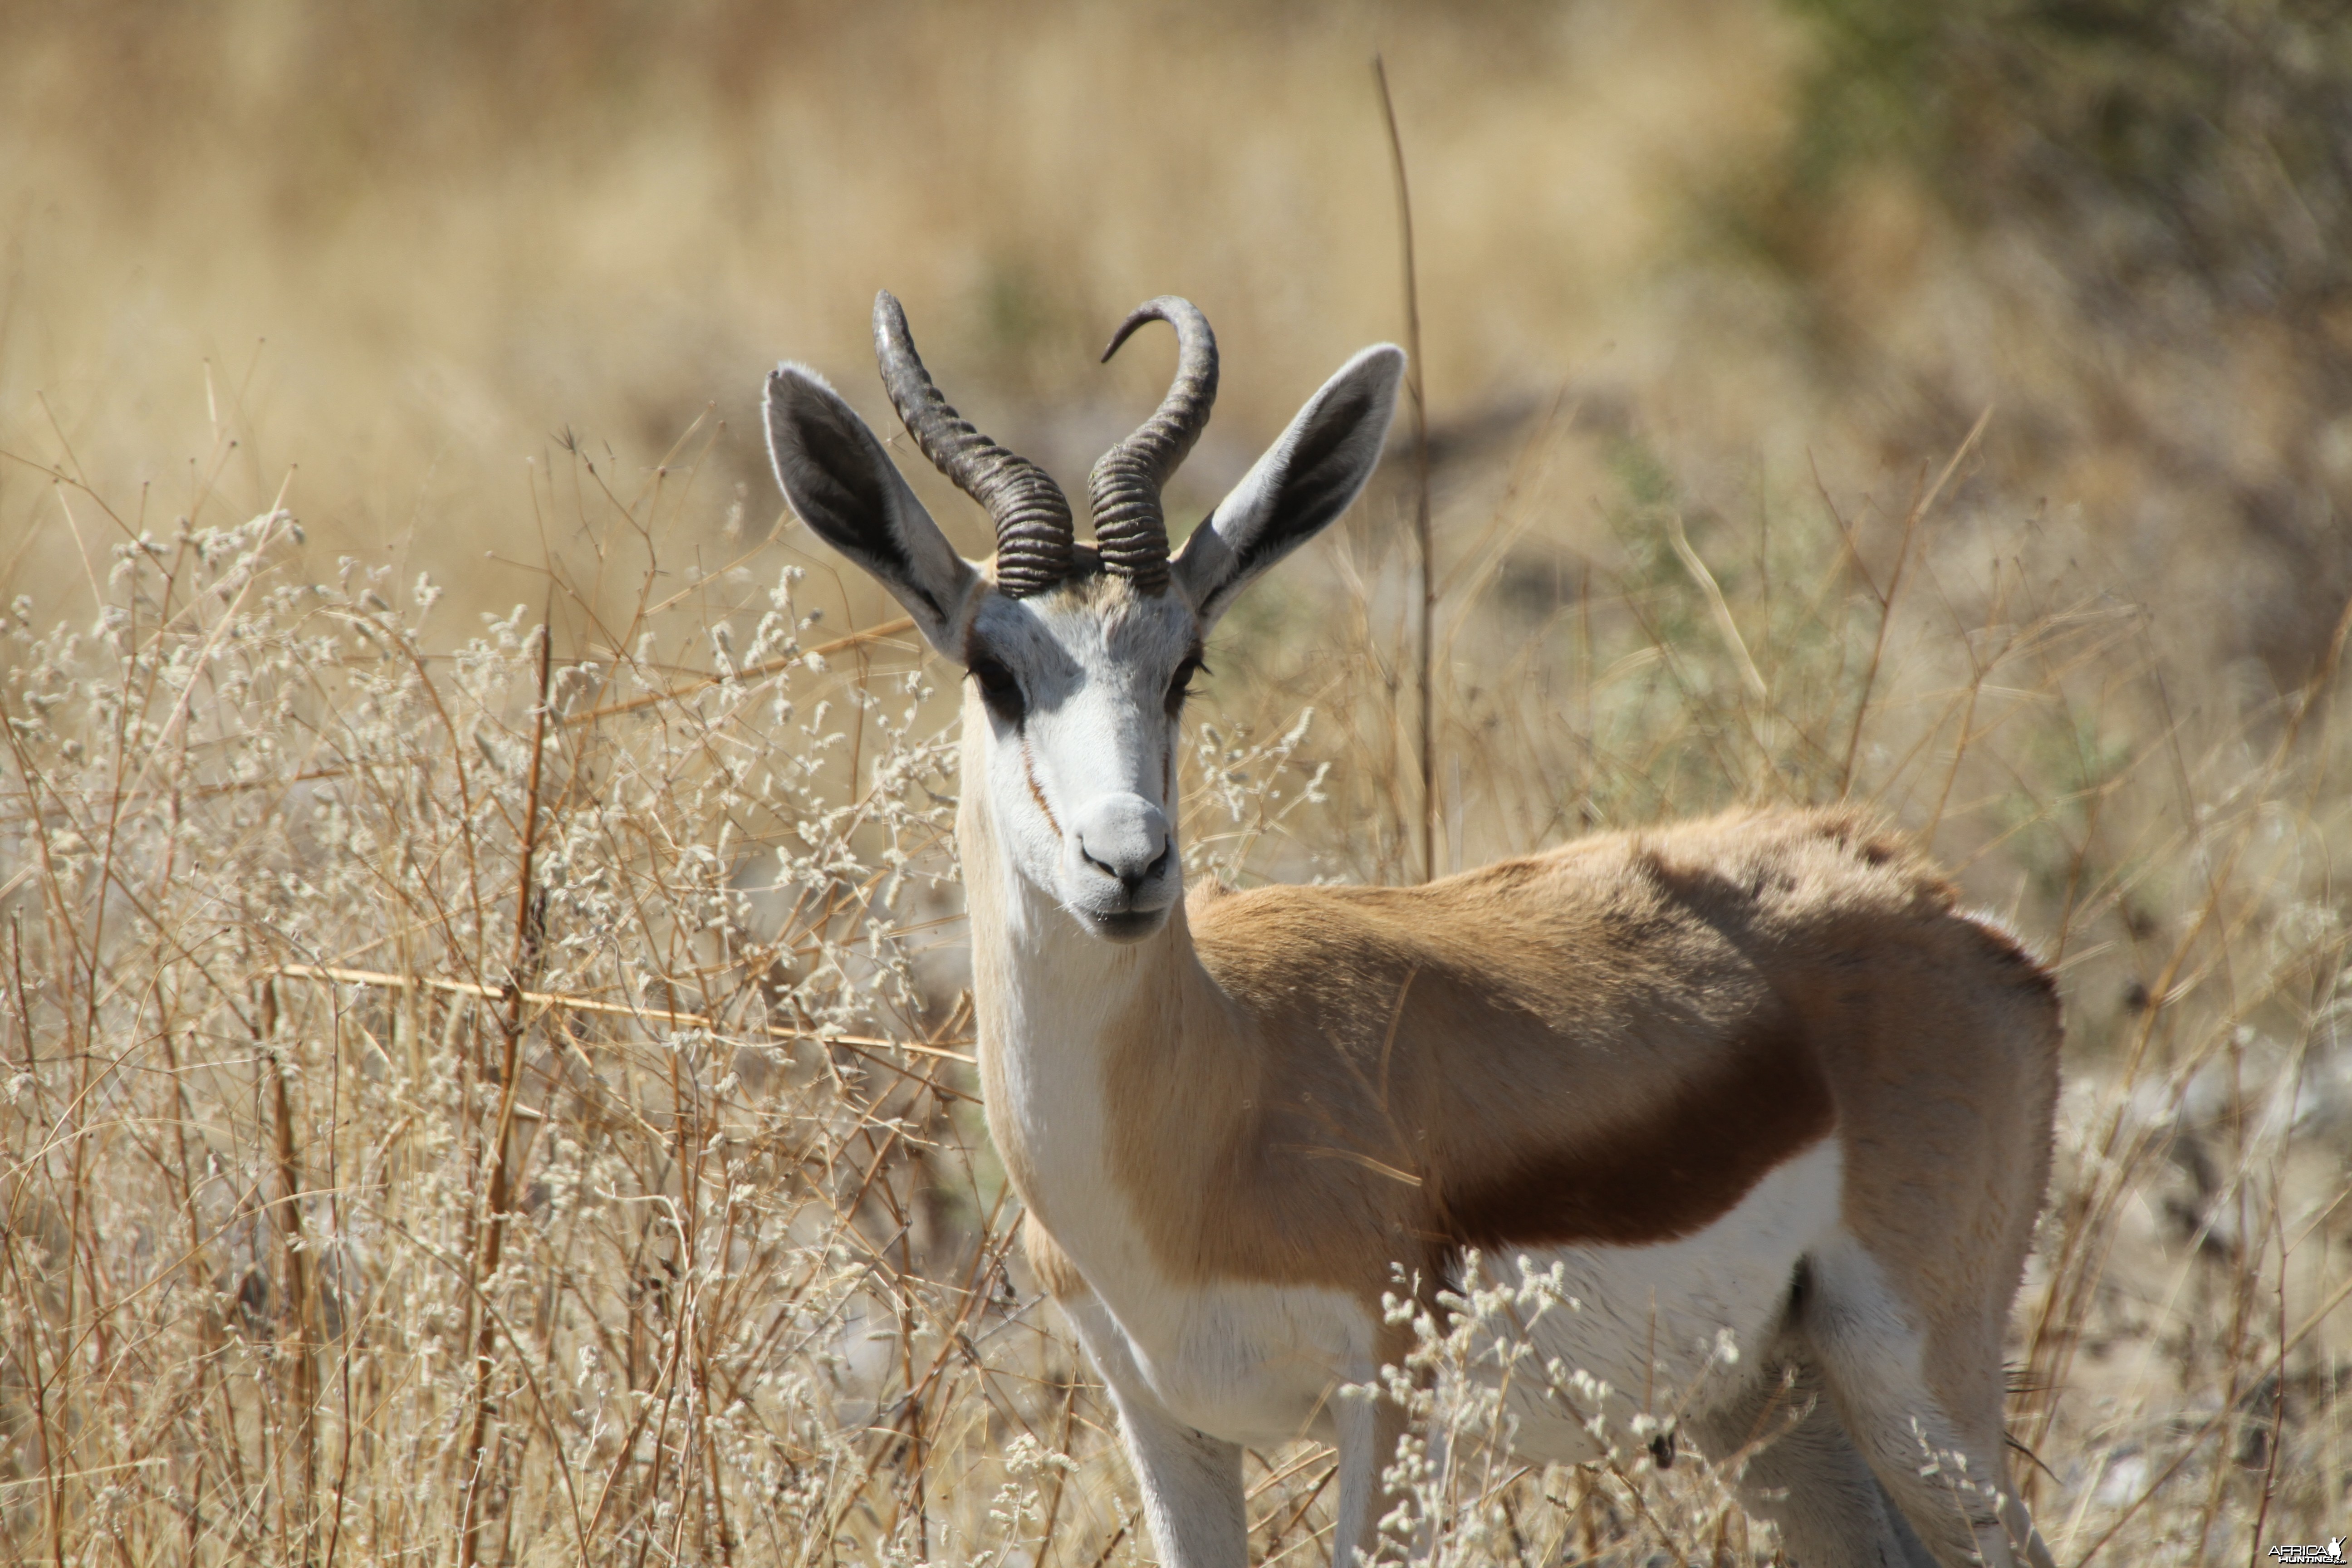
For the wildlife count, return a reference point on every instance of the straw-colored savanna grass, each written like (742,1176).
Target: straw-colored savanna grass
(486,1070)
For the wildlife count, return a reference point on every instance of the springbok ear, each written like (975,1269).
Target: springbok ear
(1301,485)
(843,486)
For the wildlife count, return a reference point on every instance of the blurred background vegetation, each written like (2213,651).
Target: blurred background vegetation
(403,244)
(1945,406)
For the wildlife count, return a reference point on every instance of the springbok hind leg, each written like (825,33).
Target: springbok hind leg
(1798,1470)
(1944,1469)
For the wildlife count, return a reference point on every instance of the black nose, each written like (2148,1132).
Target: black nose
(1126,839)
(1127,877)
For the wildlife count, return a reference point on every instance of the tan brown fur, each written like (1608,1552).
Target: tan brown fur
(1610,1042)
(1051,1266)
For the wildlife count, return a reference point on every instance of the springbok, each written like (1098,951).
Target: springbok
(1754,1074)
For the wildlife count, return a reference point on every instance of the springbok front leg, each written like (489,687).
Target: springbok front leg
(1191,1486)
(1367,1429)
(1191,1482)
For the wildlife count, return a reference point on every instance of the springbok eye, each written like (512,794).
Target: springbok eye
(998,689)
(1179,685)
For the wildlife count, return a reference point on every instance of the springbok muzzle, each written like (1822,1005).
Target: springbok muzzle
(1123,837)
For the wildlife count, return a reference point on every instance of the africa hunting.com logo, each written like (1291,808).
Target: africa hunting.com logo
(2331,1553)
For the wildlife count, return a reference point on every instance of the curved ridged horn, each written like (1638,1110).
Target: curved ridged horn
(1032,515)
(1131,530)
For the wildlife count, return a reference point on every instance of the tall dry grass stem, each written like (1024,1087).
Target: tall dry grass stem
(1425,635)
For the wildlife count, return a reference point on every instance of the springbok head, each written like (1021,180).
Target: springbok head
(1079,656)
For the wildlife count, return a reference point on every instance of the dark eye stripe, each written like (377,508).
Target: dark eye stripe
(999,688)
(1179,685)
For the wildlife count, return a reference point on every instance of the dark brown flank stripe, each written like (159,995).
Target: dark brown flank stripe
(1667,1176)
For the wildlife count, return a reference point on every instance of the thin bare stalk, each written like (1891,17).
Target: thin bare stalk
(1424,640)
(298,1282)
(528,913)
(1911,520)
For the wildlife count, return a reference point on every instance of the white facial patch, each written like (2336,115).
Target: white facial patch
(1081,779)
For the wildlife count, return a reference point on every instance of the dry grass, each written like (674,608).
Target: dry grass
(492,1083)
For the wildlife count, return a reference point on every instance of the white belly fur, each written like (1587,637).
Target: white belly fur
(1649,1320)
(1258,1363)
